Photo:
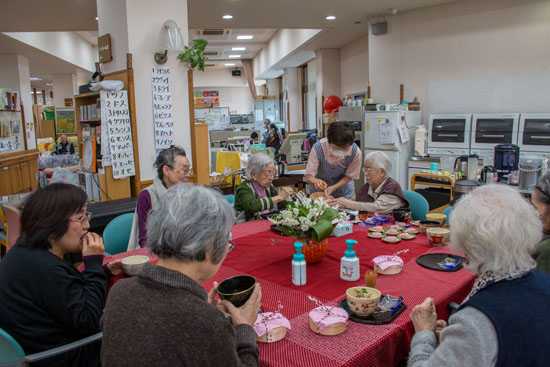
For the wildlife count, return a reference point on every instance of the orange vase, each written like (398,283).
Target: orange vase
(313,251)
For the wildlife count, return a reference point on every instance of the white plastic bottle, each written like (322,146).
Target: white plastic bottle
(298,266)
(349,265)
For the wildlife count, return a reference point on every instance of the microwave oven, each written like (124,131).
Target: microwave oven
(534,132)
(489,130)
(449,131)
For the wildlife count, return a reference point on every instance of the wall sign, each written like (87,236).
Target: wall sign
(104,48)
(162,109)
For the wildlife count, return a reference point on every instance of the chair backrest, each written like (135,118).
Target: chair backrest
(117,233)
(230,199)
(418,203)
(14,225)
(447,212)
(10,350)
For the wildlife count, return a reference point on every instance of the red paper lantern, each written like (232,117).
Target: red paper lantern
(332,103)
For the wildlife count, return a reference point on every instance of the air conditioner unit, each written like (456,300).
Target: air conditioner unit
(212,53)
(213,32)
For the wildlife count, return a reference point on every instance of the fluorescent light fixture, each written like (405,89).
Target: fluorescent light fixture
(229,64)
(49,83)
(96,18)
(245,37)
(234,56)
(35,79)
(330,17)
(227,16)
(238,48)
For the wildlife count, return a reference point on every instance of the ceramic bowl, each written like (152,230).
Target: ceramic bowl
(237,289)
(401,215)
(317,195)
(363,216)
(437,236)
(132,264)
(428,224)
(362,306)
(437,217)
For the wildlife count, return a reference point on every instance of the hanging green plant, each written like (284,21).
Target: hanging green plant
(194,54)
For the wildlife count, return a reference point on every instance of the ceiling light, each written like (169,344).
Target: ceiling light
(49,83)
(96,18)
(238,49)
(35,79)
(245,37)
(227,16)
(229,64)
(330,17)
(234,56)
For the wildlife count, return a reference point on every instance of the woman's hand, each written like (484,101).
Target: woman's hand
(283,194)
(247,313)
(345,203)
(319,184)
(92,244)
(440,325)
(424,316)
(115,267)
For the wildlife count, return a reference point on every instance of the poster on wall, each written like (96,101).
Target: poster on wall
(5,144)
(162,109)
(117,131)
(65,122)
(207,98)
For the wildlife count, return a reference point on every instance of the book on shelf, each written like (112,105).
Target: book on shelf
(90,112)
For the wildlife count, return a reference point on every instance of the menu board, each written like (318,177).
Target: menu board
(162,109)
(117,133)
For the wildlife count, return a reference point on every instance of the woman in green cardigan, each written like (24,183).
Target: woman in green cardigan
(256,194)
(541,200)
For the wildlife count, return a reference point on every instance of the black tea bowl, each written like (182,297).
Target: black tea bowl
(401,214)
(237,289)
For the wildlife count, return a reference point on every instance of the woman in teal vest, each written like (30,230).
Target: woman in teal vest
(504,320)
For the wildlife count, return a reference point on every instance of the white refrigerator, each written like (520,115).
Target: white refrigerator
(393,133)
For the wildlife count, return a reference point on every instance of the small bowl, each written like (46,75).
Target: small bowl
(363,216)
(437,217)
(437,236)
(132,264)
(428,224)
(401,214)
(237,289)
(362,306)
(317,195)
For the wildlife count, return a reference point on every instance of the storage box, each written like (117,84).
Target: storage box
(342,229)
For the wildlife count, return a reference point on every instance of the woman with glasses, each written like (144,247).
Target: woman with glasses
(381,194)
(45,302)
(164,316)
(256,194)
(540,198)
(172,167)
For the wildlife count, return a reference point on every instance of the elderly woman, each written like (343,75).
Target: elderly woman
(45,302)
(334,162)
(381,194)
(172,167)
(496,228)
(256,194)
(541,200)
(164,316)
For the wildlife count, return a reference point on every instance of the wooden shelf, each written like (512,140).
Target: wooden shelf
(10,110)
(86,95)
(90,121)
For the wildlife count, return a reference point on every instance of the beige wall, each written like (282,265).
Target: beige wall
(466,39)
(354,66)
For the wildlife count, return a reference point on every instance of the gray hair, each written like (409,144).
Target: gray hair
(497,228)
(380,160)
(189,222)
(257,163)
(167,157)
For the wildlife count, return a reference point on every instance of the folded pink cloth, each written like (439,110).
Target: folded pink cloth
(385,261)
(268,321)
(324,316)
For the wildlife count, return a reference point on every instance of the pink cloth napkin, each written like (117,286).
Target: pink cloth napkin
(268,321)
(323,318)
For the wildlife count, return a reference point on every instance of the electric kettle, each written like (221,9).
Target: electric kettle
(488,174)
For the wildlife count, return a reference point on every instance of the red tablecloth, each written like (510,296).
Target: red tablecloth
(267,256)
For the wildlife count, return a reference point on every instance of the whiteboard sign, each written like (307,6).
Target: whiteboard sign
(118,131)
(162,109)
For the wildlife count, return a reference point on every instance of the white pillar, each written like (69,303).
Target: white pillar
(134,26)
(328,76)
(294,92)
(63,87)
(15,74)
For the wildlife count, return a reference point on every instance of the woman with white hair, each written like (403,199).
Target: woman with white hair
(540,198)
(497,229)
(381,194)
(256,194)
(164,316)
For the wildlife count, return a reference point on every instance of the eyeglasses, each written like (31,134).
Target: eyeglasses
(370,169)
(544,192)
(184,170)
(87,216)
(231,246)
(268,174)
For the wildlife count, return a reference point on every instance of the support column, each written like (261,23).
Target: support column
(293,91)
(328,77)
(63,87)
(15,74)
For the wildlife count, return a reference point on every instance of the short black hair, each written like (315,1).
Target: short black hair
(543,185)
(167,157)
(341,134)
(46,213)
(254,135)
(273,126)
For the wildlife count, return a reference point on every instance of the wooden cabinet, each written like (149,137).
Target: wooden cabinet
(18,172)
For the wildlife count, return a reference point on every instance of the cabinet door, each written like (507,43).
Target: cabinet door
(5,181)
(15,174)
(25,177)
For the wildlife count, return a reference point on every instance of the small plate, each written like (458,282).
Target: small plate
(398,232)
(392,242)
(415,223)
(414,230)
(376,318)
(373,229)
(412,236)
(370,235)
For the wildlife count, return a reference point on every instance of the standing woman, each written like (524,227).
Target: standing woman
(274,138)
(334,162)
(172,167)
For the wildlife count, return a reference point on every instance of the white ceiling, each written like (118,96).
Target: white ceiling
(261,18)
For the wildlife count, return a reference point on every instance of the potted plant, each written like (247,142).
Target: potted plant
(194,54)
(310,222)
